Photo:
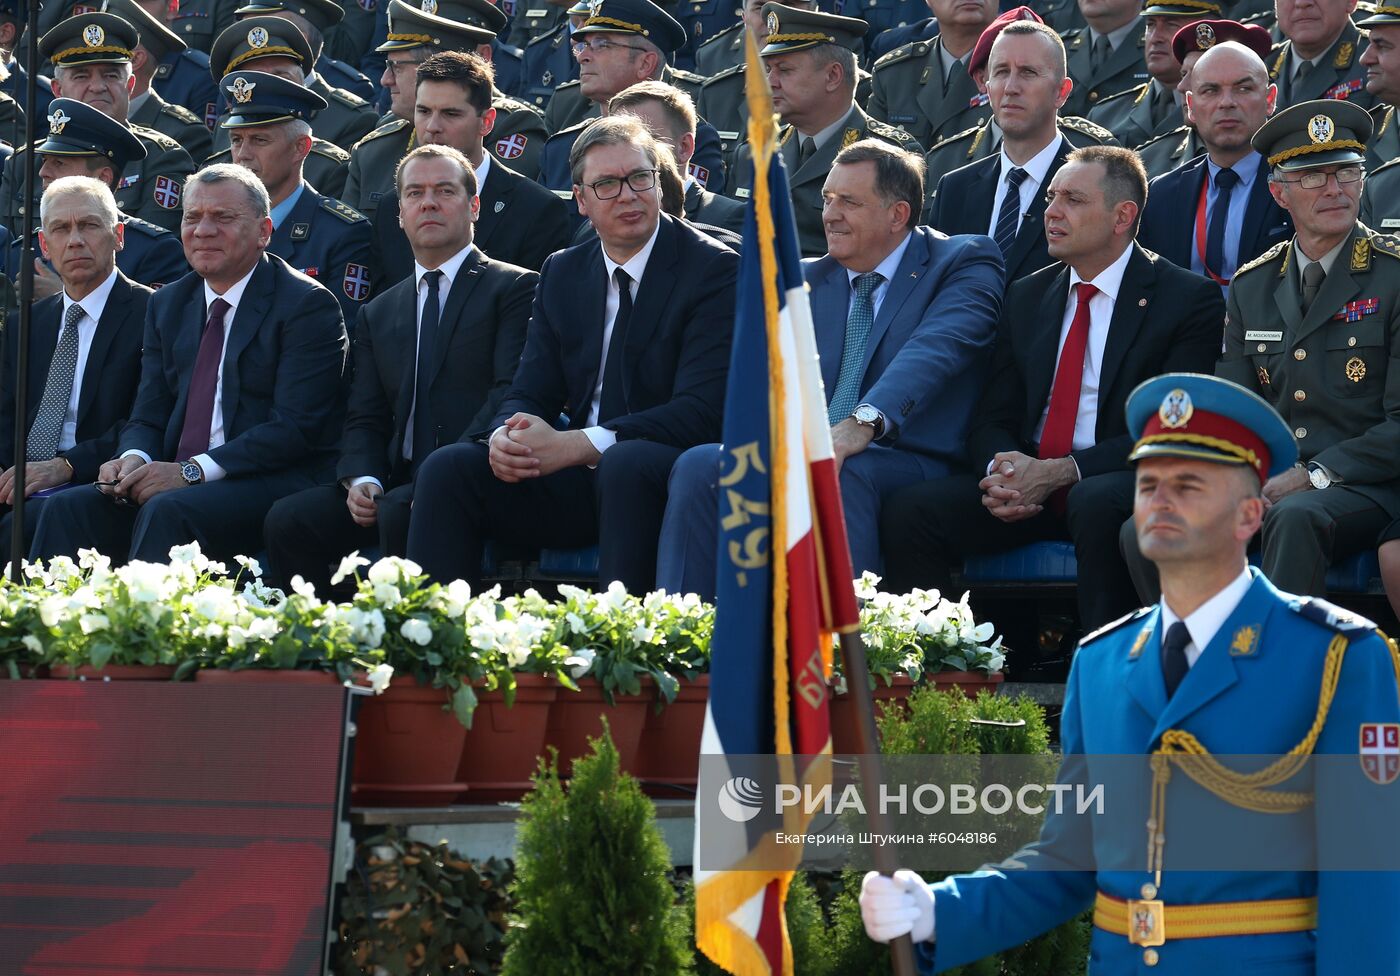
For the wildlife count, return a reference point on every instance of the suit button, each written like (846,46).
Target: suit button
(1300,433)
(1093,96)
(1300,354)
(1299,395)
(1150,957)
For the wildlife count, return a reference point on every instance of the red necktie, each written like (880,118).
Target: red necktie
(1057,439)
(204,380)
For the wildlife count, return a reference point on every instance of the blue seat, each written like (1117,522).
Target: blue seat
(570,563)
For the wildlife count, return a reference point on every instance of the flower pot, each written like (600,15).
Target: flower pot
(407,748)
(577,716)
(844,738)
(968,682)
(114,672)
(257,676)
(668,759)
(504,743)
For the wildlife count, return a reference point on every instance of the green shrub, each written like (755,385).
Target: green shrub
(592,896)
(807,931)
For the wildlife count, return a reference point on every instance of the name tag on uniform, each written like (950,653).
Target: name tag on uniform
(537,13)
(743,193)
(1390,222)
(1255,336)
(727,136)
(564,194)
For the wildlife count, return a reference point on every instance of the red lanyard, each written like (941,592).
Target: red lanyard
(1201,232)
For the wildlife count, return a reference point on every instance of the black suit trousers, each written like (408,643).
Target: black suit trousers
(928,528)
(307,534)
(460,503)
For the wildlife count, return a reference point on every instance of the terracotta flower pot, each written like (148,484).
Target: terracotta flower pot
(114,672)
(503,744)
(257,676)
(668,759)
(576,716)
(408,748)
(844,739)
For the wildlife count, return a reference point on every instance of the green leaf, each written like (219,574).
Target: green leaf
(464,704)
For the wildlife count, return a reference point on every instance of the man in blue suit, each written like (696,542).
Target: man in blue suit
(627,352)
(239,397)
(1224,665)
(1215,212)
(904,318)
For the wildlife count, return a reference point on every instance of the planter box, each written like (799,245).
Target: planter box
(577,716)
(668,758)
(114,672)
(258,676)
(504,744)
(408,748)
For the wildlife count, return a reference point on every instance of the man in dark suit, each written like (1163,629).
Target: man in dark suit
(1215,213)
(521,222)
(238,402)
(1050,443)
(629,342)
(84,351)
(904,319)
(412,391)
(1003,196)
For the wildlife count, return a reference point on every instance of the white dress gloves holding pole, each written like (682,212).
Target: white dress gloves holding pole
(895,906)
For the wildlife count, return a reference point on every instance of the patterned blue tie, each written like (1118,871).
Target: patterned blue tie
(1009,216)
(859,321)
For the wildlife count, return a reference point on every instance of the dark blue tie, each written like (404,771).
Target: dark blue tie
(611,402)
(1008,216)
(424,429)
(1225,181)
(1174,666)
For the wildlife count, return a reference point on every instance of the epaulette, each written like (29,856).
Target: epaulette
(1331,616)
(955,137)
(886,131)
(1176,133)
(1109,628)
(346,97)
(143,227)
(345,212)
(547,35)
(1262,259)
(387,129)
(1083,126)
(1381,169)
(715,38)
(902,53)
(565,86)
(689,77)
(510,105)
(737,69)
(181,113)
(576,127)
(1072,33)
(151,135)
(1387,244)
(329,149)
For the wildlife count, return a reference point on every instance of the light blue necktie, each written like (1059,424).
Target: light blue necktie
(859,321)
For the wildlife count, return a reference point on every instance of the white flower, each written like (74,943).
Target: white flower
(456,595)
(387,595)
(91,559)
(867,586)
(90,623)
(483,636)
(264,628)
(575,622)
(62,568)
(147,582)
(371,630)
(33,643)
(643,634)
(52,610)
(186,553)
(614,599)
(379,676)
(580,661)
(416,630)
(983,631)
(384,571)
(250,564)
(214,603)
(302,587)
(348,567)
(572,592)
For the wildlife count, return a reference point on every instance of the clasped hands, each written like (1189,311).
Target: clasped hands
(137,481)
(526,447)
(1018,485)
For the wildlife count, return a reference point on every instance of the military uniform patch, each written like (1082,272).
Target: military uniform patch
(1379,748)
(166,193)
(511,146)
(356,283)
(1245,642)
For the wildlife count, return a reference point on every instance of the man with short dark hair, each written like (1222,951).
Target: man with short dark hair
(238,402)
(629,342)
(408,398)
(1048,443)
(904,319)
(1319,56)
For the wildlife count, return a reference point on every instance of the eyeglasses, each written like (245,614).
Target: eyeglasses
(1316,180)
(611,187)
(397,66)
(600,44)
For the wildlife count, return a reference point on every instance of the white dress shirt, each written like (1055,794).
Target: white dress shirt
(1209,617)
(1036,168)
(234,296)
(483,171)
(636,266)
(92,306)
(886,269)
(1108,283)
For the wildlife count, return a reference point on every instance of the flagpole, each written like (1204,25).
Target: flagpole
(871,773)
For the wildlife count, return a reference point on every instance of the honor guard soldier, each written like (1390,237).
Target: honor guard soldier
(276,47)
(1224,665)
(810,58)
(1106,55)
(91,55)
(924,88)
(154,42)
(534,19)
(548,61)
(81,141)
(623,42)
(316,234)
(1154,107)
(1320,56)
(314,18)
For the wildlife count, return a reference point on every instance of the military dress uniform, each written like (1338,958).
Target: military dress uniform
(881,15)
(1339,73)
(370,176)
(547,63)
(981,141)
(326,168)
(912,93)
(339,74)
(533,19)
(720,51)
(1166,152)
(13,86)
(702,19)
(1384,146)
(897,37)
(200,21)
(1124,68)
(569,107)
(183,78)
(1132,115)
(348,40)
(174,121)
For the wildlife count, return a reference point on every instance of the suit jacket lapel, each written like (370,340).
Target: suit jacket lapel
(495,201)
(1256,212)
(831,298)
(595,306)
(653,291)
(252,309)
(43,343)
(114,316)
(1129,311)
(1187,203)
(906,277)
(1032,229)
(1043,347)
(453,309)
(405,346)
(820,162)
(1337,288)
(1143,667)
(938,105)
(284,243)
(1287,298)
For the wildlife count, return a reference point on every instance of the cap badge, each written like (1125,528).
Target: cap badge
(595,8)
(1320,129)
(93,35)
(242,90)
(257,37)
(428,6)
(1176,409)
(57,121)
(1205,36)
(772,22)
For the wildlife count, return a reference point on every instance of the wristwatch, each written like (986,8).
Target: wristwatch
(868,416)
(191,472)
(1319,476)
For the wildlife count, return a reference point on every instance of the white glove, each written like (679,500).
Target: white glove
(895,906)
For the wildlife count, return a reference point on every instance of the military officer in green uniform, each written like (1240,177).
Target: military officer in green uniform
(316,234)
(924,87)
(91,55)
(1105,57)
(1313,325)
(726,49)
(1381,59)
(1320,56)
(156,42)
(810,57)
(1155,106)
